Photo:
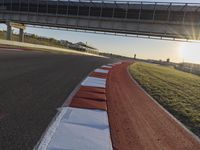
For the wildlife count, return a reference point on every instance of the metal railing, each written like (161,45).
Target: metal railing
(126,10)
(118,34)
(149,19)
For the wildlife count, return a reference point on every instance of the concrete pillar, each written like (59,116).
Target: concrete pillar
(9,31)
(21,35)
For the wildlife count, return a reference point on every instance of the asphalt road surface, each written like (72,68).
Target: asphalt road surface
(32,86)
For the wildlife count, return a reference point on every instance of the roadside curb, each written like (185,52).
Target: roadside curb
(83,117)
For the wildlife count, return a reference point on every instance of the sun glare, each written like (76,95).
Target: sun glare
(190,52)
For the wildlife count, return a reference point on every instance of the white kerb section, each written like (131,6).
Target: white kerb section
(101,71)
(118,63)
(94,82)
(106,66)
(114,64)
(79,129)
(82,129)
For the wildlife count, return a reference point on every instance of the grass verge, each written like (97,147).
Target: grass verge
(176,91)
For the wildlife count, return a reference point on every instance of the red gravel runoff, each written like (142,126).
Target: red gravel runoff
(137,122)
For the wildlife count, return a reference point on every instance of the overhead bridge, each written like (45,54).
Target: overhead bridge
(159,19)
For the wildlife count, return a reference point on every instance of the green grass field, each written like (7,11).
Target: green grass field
(177,91)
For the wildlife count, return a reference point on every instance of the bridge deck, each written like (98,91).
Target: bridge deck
(173,20)
(157,11)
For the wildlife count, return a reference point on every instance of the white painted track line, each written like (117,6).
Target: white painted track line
(51,131)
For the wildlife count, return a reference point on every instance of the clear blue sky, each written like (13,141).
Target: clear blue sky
(128,46)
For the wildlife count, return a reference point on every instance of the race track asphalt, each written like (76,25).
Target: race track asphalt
(32,86)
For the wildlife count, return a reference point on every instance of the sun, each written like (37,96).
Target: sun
(190,52)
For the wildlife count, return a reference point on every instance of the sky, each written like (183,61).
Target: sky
(128,46)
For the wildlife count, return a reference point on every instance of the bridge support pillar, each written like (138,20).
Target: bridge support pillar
(21,35)
(19,26)
(9,31)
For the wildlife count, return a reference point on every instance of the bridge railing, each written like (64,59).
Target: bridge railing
(126,10)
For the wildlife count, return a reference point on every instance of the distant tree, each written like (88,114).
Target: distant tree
(134,56)
(168,60)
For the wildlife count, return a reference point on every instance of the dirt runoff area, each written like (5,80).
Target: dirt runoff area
(138,122)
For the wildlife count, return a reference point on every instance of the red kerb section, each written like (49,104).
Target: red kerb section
(91,95)
(88,104)
(93,89)
(99,75)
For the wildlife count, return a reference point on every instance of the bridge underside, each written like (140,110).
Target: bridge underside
(171,20)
